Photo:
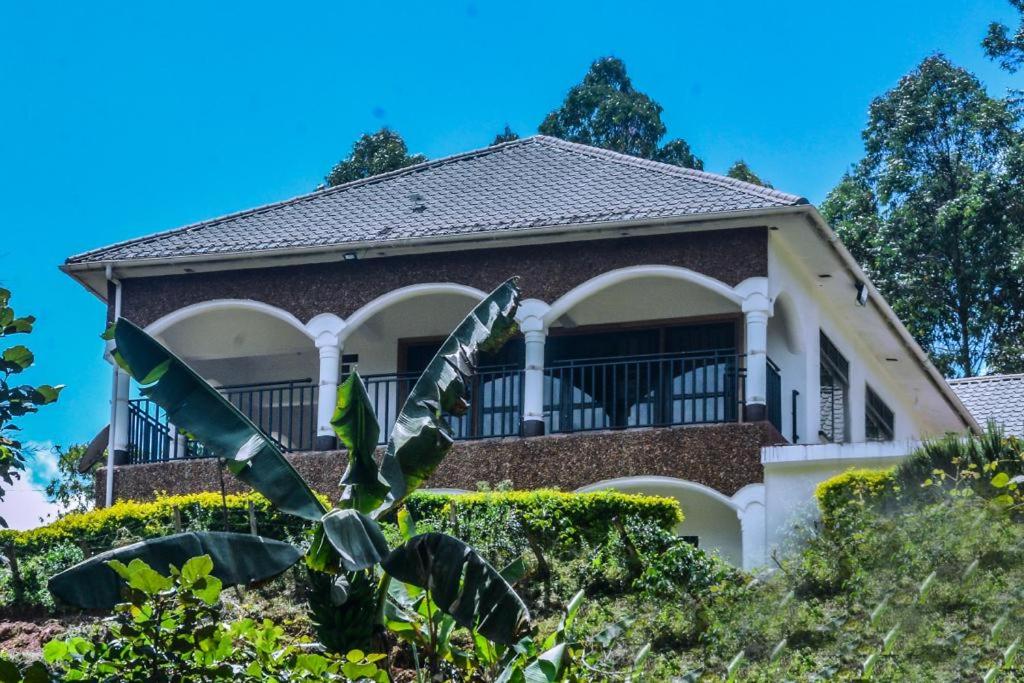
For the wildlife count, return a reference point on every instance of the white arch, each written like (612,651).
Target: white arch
(164,322)
(613,277)
(353,322)
(792,325)
(661,483)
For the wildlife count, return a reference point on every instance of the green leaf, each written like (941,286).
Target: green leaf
(357,429)
(421,436)
(141,576)
(237,559)
(48,393)
(547,667)
(55,651)
(18,356)
(196,568)
(462,585)
(514,570)
(406,524)
(357,539)
(1000,480)
(199,409)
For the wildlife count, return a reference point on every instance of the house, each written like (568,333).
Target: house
(994,398)
(683,333)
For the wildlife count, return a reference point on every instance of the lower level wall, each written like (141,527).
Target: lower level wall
(723,457)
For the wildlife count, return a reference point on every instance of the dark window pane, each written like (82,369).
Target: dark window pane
(878,418)
(835,391)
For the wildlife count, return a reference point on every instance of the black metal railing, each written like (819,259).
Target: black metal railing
(643,391)
(285,411)
(579,395)
(774,395)
(495,398)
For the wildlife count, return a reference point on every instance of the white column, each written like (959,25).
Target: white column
(756,309)
(751,510)
(533,377)
(330,357)
(119,433)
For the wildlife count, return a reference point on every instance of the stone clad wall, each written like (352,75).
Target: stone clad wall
(547,271)
(724,457)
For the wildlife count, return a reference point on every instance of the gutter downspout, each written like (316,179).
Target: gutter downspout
(112,432)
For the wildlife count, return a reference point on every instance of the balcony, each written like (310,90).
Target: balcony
(615,392)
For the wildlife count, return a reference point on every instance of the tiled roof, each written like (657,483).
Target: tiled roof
(533,182)
(999,398)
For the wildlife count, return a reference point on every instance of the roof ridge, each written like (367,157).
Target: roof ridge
(308,196)
(660,166)
(980,379)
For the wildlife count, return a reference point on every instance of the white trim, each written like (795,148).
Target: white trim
(164,322)
(613,277)
(354,321)
(837,452)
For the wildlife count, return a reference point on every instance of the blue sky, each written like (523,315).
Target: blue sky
(120,119)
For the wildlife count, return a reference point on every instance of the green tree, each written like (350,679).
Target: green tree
(925,211)
(507,135)
(605,110)
(372,154)
(1000,45)
(72,489)
(16,400)
(741,171)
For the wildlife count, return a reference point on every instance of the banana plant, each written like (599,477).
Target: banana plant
(349,559)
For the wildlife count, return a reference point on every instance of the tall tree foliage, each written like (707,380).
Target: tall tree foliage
(71,489)
(16,400)
(925,211)
(605,110)
(1001,45)
(372,154)
(507,135)
(741,171)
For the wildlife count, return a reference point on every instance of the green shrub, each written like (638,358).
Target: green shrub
(862,488)
(953,457)
(174,628)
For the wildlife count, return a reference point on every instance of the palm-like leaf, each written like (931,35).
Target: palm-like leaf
(462,585)
(421,436)
(363,488)
(237,559)
(196,407)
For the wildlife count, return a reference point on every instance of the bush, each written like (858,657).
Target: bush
(502,525)
(861,487)
(174,628)
(949,458)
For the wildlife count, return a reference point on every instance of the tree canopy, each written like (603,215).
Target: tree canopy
(16,400)
(741,171)
(928,212)
(1000,45)
(372,154)
(605,110)
(507,135)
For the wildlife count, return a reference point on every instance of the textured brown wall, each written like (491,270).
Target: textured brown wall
(724,457)
(547,272)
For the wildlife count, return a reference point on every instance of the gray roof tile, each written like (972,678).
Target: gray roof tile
(996,398)
(533,182)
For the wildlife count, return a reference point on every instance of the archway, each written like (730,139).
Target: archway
(710,517)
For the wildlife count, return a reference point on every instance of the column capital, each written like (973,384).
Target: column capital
(757,302)
(327,342)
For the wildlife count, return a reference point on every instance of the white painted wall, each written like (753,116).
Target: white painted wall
(791,474)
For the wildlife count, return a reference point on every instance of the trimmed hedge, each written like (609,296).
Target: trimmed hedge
(861,487)
(501,525)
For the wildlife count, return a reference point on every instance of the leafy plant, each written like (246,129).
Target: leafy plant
(16,400)
(173,629)
(349,557)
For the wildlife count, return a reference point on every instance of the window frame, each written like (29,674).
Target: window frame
(878,413)
(835,364)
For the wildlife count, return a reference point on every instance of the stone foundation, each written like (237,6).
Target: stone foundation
(725,457)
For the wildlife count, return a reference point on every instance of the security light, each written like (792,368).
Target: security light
(350,256)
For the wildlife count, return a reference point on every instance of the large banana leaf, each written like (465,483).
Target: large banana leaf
(358,540)
(363,488)
(421,436)
(462,584)
(196,407)
(237,559)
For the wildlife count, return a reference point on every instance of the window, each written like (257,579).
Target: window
(878,419)
(835,391)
